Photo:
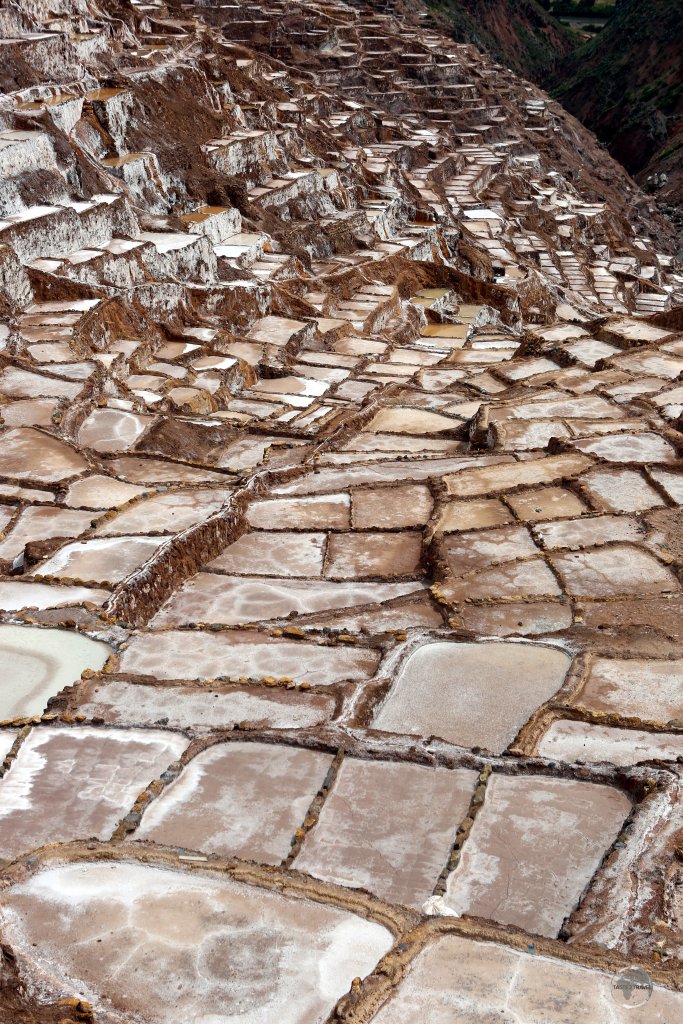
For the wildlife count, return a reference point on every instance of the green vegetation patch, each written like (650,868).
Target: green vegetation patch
(579,8)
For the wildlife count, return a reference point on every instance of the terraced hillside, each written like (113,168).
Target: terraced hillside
(340,559)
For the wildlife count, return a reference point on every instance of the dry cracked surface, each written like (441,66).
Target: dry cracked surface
(340,544)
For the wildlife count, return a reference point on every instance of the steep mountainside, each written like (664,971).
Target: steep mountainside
(519,33)
(626,86)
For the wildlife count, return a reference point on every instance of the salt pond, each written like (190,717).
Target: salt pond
(472,694)
(159,943)
(39,663)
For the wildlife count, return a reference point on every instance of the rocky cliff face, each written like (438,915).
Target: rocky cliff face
(626,86)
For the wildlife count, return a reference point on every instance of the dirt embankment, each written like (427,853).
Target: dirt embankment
(17,1007)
